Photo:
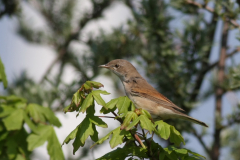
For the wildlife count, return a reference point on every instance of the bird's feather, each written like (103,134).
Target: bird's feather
(155,96)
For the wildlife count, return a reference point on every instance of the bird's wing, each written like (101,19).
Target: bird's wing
(156,97)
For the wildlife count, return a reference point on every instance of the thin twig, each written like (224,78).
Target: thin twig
(62,49)
(232,21)
(139,141)
(207,150)
(106,116)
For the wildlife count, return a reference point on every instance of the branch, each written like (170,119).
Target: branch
(106,117)
(219,93)
(55,61)
(98,9)
(204,64)
(232,121)
(227,56)
(232,21)
(234,118)
(199,137)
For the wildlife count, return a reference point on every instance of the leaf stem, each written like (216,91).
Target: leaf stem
(106,116)
(139,141)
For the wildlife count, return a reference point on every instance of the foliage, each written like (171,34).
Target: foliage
(3,77)
(172,43)
(235,77)
(25,126)
(9,7)
(130,118)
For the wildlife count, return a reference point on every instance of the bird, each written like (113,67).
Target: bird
(143,95)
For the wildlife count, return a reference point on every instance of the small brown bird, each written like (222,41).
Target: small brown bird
(143,95)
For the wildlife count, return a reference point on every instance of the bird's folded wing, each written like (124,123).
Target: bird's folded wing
(155,96)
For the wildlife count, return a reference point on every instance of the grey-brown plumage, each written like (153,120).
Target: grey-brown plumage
(143,95)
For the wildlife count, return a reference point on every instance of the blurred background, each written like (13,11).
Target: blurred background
(187,49)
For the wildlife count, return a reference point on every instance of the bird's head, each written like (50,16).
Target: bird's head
(122,68)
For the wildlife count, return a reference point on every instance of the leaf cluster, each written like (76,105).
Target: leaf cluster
(17,117)
(3,77)
(136,143)
(25,126)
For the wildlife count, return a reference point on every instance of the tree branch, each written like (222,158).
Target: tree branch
(227,56)
(204,64)
(199,137)
(219,93)
(232,121)
(232,21)
(98,9)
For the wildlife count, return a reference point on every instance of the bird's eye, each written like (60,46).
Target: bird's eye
(116,66)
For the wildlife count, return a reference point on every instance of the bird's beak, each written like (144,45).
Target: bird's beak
(103,66)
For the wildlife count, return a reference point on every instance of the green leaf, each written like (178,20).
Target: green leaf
(67,109)
(163,129)
(91,110)
(130,116)
(30,124)
(176,137)
(132,108)
(110,106)
(195,154)
(100,141)
(181,151)
(3,135)
(189,158)
(144,112)
(117,137)
(123,104)
(87,87)
(94,84)
(5,110)
(162,155)
(54,148)
(3,76)
(13,99)
(94,137)
(35,111)
(134,122)
(126,151)
(145,123)
(11,146)
(98,98)
(20,157)
(97,121)
(14,121)
(36,140)
(85,129)
(76,99)
(71,136)
(170,153)
(87,102)
(50,116)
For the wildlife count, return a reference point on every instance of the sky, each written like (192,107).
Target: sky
(18,55)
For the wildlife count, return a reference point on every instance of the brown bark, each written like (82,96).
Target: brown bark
(219,93)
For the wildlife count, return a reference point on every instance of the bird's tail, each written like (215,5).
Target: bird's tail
(186,117)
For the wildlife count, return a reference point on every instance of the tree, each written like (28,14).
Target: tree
(17,142)
(9,7)
(180,56)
